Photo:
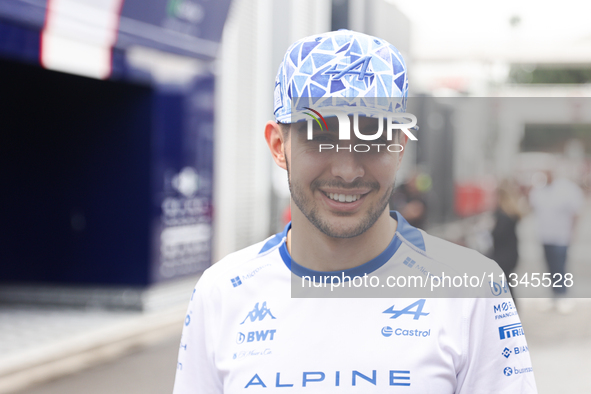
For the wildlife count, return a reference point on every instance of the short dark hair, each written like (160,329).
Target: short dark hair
(285,127)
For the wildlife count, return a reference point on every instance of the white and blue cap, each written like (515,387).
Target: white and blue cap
(337,69)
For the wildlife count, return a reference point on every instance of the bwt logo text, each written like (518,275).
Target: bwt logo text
(256,336)
(393,122)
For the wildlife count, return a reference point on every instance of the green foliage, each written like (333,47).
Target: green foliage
(552,137)
(549,75)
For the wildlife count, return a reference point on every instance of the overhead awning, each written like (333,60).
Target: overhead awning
(78,36)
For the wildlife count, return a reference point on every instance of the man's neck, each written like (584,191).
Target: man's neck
(311,248)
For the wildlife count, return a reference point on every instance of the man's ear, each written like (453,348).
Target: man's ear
(275,141)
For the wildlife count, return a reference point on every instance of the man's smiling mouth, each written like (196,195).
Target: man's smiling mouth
(341,197)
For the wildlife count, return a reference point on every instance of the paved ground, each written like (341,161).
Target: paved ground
(560,347)
(147,371)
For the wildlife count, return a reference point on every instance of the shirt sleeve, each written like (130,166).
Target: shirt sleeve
(497,356)
(196,372)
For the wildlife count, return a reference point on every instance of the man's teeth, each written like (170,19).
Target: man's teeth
(344,197)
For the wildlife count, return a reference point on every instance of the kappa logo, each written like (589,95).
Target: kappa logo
(415,309)
(258,313)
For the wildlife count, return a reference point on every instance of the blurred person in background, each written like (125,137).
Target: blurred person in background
(506,216)
(409,199)
(556,205)
(244,331)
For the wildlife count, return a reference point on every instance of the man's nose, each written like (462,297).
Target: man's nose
(346,165)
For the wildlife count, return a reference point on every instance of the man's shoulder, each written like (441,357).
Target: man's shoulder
(241,259)
(455,255)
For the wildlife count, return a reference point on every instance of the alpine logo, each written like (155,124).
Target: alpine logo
(258,313)
(361,63)
(321,379)
(415,309)
(510,331)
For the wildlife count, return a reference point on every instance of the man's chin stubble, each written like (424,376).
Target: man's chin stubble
(326,228)
(312,215)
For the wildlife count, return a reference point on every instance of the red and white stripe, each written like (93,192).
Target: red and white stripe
(78,36)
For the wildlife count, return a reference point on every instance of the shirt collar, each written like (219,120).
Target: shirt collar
(408,232)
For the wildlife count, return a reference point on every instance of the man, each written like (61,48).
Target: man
(556,206)
(251,326)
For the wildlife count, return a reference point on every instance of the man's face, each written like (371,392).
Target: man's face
(342,193)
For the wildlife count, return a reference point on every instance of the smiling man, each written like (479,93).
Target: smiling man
(263,320)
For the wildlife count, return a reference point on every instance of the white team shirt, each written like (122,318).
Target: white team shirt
(244,333)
